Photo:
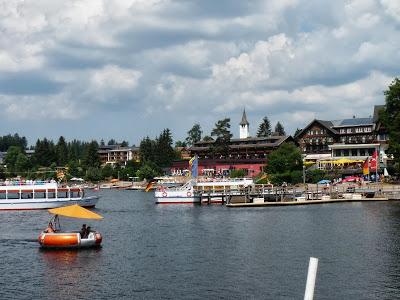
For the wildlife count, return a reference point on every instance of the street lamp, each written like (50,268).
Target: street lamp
(304,174)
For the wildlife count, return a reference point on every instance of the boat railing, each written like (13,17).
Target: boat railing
(24,183)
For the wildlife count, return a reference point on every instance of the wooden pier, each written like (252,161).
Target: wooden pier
(267,195)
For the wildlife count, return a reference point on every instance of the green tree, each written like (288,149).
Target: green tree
(112,142)
(286,158)
(91,157)
(180,144)
(164,152)
(61,152)
(22,163)
(265,128)
(9,140)
(147,149)
(207,138)
(11,158)
(106,172)
(390,117)
(148,171)
(223,136)
(194,135)
(298,130)
(93,174)
(279,129)
(45,153)
(124,144)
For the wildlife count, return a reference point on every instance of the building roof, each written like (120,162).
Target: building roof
(244,119)
(327,124)
(353,122)
(250,142)
(377,109)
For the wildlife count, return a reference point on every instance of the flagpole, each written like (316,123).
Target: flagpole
(376,166)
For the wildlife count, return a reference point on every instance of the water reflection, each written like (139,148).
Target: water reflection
(70,273)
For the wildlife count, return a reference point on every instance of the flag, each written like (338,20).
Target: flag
(149,186)
(193,166)
(373,163)
(366,167)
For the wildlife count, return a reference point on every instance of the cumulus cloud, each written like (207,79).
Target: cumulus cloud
(171,63)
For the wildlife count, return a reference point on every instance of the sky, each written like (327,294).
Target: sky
(126,69)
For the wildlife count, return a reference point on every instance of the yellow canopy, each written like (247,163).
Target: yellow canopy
(75,211)
(340,161)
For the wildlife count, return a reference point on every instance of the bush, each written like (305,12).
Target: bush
(313,176)
(237,173)
(290,177)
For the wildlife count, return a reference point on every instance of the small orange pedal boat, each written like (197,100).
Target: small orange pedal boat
(53,237)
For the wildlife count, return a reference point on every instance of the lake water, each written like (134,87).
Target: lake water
(207,252)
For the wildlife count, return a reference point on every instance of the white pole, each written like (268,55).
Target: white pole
(311,276)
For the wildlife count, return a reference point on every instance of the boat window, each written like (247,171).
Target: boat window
(74,194)
(3,195)
(40,195)
(62,194)
(26,195)
(13,196)
(51,195)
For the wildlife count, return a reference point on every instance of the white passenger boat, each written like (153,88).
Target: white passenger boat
(25,196)
(194,190)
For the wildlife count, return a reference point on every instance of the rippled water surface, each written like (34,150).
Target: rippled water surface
(207,252)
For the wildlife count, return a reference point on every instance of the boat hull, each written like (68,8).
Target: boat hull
(176,197)
(31,204)
(69,240)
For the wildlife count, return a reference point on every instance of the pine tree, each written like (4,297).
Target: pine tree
(279,129)
(91,157)
(62,152)
(265,128)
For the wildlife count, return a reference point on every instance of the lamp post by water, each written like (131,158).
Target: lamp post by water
(304,174)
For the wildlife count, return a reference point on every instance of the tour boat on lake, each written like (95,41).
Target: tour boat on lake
(41,195)
(192,191)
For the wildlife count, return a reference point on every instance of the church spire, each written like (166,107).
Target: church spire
(244,132)
(244,119)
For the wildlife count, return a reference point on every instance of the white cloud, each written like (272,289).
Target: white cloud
(291,59)
(39,108)
(392,8)
(116,78)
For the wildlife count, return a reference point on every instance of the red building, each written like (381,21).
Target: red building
(246,153)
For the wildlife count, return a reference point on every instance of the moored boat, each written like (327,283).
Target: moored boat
(26,196)
(193,190)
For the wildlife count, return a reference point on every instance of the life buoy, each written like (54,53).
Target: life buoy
(164,194)
(189,194)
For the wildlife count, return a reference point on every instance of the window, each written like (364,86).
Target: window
(346,152)
(26,195)
(40,195)
(342,130)
(13,196)
(348,130)
(62,194)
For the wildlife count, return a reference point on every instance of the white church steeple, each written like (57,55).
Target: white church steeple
(244,127)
